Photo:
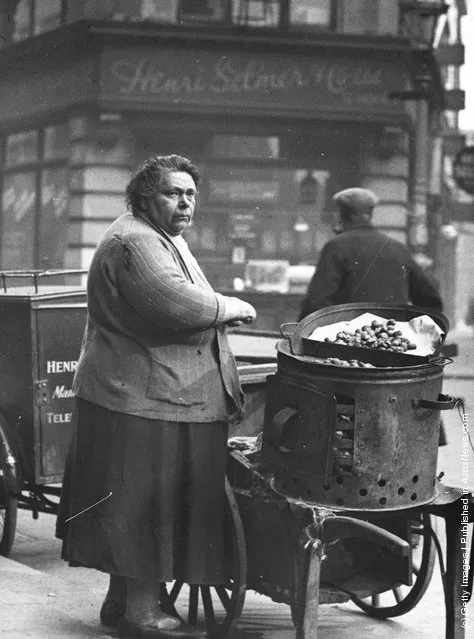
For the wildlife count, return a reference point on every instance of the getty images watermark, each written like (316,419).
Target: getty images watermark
(465,547)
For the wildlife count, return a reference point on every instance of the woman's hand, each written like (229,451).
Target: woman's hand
(238,312)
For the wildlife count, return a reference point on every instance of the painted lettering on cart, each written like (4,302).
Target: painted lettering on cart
(54,366)
(61,392)
(59,418)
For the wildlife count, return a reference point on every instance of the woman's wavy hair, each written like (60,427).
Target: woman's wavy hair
(147,178)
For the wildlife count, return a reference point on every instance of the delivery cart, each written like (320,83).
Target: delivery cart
(42,322)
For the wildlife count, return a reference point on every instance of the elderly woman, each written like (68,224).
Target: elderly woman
(156,386)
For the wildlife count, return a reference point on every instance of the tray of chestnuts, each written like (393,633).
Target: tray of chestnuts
(378,343)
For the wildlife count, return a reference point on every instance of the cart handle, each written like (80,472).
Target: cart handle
(288,331)
(278,422)
(36,273)
(444,402)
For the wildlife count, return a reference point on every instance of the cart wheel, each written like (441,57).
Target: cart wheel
(8,502)
(382,605)
(219,606)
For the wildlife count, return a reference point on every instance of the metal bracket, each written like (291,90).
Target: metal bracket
(42,392)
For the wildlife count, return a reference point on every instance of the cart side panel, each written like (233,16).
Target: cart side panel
(16,379)
(59,331)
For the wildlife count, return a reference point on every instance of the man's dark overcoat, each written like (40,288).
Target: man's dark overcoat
(364,265)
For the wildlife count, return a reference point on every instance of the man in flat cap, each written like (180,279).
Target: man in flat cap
(361,264)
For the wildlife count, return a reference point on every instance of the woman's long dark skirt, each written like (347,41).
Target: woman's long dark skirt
(164,518)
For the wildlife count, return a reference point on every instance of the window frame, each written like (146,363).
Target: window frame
(31,32)
(37,168)
(283,24)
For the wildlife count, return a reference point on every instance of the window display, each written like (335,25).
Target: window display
(47,15)
(315,13)
(22,148)
(53,223)
(18,221)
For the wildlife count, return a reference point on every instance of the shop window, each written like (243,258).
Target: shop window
(23,20)
(203,10)
(256,13)
(53,226)
(22,148)
(56,142)
(18,221)
(311,13)
(135,10)
(47,15)
(244,185)
(269,242)
(208,238)
(126,9)
(287,241)
(36,16)
(245,147)
(34,199)
(160,10)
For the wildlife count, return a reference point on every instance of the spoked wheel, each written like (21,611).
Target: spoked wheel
(218,607)
(401,599)
(8,502)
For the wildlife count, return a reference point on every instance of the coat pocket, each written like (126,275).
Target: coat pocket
(174,385)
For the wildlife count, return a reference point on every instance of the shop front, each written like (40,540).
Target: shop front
(275,133)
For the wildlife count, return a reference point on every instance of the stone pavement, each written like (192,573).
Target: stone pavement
(43,606)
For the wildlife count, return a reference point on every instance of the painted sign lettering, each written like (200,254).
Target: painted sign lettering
(312,82)
(54,366)
(61,392)
(58,418)
(147,76)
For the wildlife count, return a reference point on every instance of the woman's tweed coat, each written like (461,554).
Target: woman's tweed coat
(153,346)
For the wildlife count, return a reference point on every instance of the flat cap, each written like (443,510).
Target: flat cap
(357,199)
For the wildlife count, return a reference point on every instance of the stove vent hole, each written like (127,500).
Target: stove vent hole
(344,434)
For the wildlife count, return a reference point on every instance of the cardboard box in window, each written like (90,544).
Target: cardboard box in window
(268,276)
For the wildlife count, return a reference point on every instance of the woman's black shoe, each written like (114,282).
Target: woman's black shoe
(111,613)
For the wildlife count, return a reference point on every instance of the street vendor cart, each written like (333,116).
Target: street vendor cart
(331,486)
(333,498)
